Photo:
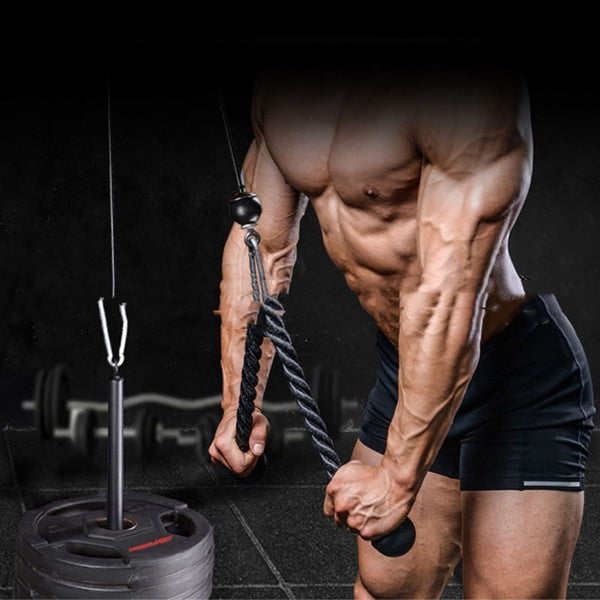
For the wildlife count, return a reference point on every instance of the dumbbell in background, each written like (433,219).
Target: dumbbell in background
(81,422)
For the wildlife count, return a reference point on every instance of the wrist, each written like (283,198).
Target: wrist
(229,408)
(401,474)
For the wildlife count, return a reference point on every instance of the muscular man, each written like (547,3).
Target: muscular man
(478,425)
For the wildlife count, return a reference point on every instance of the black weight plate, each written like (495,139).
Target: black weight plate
(145,426)
(84,441)
(60,392)
(63,550)
(39,415)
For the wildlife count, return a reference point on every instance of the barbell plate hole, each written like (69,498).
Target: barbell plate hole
(127,523)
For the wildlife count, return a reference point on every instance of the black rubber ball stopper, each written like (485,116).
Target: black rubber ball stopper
(245,208)
(397,542)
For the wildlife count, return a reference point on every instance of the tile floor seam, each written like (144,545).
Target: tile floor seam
(330,585)
(236,511)
(13,473)
(241,586)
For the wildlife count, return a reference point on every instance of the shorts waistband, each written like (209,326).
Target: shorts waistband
(535,310)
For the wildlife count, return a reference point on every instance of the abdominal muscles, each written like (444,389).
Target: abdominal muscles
(376,250)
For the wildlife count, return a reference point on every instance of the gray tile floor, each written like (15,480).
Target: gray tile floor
(271,538)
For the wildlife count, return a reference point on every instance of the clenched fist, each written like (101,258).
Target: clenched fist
(225,451)
(366,499)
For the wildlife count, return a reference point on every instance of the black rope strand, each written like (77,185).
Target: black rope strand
(252,354)
(299,387)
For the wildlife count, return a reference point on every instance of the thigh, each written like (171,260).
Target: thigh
(519,544)
(425,570)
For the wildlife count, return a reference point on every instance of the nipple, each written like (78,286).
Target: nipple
(370,190)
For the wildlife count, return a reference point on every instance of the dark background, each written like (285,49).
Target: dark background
(173,177)
(172,180)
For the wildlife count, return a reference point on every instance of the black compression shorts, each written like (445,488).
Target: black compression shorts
(526,418)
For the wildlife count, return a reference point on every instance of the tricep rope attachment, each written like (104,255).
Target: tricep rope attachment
(245,209)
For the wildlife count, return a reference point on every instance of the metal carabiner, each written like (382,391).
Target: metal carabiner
(115,364)
(259,285)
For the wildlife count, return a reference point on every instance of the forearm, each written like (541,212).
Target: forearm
(439,341)
(237,309)
(279,229)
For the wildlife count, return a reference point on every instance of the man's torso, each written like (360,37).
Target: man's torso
(356,147)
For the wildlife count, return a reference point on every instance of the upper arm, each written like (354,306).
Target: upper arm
(282,206)
(279,222)
(474,182)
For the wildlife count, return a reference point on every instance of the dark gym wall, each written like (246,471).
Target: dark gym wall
(172,179)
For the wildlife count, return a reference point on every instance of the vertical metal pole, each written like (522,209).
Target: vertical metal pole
(115,453)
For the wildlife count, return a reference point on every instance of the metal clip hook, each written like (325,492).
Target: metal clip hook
(259,285)
(115,364)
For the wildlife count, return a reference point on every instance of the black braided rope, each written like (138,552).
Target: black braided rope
(300,389)
(252,354)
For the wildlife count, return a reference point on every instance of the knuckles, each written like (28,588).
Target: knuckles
(342,505)
(354,522)
(220,443)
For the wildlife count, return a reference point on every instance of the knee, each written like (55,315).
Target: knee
(394,586)
(378,589)
(370,590)
(360,591)
(408,580)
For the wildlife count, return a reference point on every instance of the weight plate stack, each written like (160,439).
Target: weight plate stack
(64,550)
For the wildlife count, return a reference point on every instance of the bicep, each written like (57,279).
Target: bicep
(464,221)
(462,224)
(282,205)
(278,224)
(478,151)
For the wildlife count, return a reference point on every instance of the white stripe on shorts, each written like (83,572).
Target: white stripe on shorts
(567,484)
